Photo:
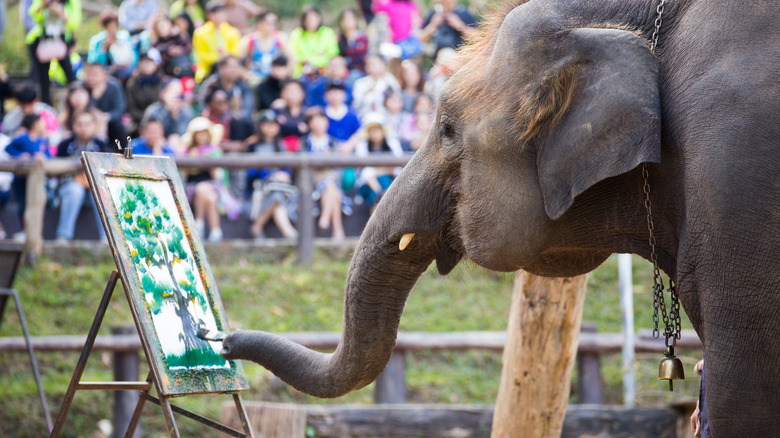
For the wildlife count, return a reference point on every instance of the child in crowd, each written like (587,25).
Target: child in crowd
(327,182)
(32,144)
(369,91)
(76,100)
(394,116)
(152,140)
(290,113)
(417,124)
(73,190)
(269,90)
(272,192)
(27,100)
(113,48)
(174,47)
(336,70)
(373,181)
(343,121)
(207,188)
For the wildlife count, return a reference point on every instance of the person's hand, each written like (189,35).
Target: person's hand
(56,9)
(303,127)
(698,367)
(175,51)
(455,22)
(25,156)
(281,176)
(696,421)
(437,19)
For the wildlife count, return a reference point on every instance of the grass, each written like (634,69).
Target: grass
(61,298)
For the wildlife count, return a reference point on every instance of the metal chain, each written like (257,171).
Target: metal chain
(671,319)
(654,39)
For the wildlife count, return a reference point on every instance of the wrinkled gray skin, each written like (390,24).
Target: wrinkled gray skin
(705,114)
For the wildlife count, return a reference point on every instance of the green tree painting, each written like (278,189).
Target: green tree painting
(165,265)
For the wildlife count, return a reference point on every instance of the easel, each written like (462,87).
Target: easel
(144,386)
(97,165)
(10,258)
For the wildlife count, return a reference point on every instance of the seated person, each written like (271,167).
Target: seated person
(228,79)
(142,90)
(113,48)
(28,103)
(261,47)
(137,15)
(369,91)
(207,189)
(373,181)
(32,144)
(343,122)
(327,182)
(214,40)
(272,192)
(171,110)
(270,89)
(234,130)
(73,190)
(448,26)
(312,44)
(107,95)
(336,70)
(291,115)
(152,140)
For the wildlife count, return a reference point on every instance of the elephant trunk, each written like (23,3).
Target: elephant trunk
(379,280)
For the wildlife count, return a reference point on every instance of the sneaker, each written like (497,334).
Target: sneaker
(200,228)
(215,235)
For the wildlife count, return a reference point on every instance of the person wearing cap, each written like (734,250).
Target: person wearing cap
(343,120)
(214,40)
(207,189)
(142,90)
(373,181)
(270,190)
(112,47)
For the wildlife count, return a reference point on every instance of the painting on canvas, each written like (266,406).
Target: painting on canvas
(164,270)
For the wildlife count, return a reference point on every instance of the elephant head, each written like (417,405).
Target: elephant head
(542,110)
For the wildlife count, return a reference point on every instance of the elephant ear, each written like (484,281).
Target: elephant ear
(605,116)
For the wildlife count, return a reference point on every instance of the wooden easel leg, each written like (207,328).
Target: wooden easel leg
(168,412)
(139,408)
(82,363)
(34,362)
(242,414)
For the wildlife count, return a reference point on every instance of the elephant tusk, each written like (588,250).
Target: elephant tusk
(405,239)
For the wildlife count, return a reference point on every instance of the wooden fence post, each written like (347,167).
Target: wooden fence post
(33,213)
(305,215)
(391,385)
(542,335)
(589,381)
(126,368)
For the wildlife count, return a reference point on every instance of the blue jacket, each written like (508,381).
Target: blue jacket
(24,144)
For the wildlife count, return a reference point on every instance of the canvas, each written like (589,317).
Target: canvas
(164,270)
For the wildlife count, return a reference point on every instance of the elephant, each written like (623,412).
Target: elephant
(536,160)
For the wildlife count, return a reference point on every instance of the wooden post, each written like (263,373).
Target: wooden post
(589,383)
(391,385)
(269,420)
(542,335)
(33,213)
(305,215)
(126,368)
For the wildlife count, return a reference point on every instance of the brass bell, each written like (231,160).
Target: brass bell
(671,368)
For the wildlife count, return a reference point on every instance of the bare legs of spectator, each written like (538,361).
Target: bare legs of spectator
(281,218)
(205,202)
(40,71)
(330,203)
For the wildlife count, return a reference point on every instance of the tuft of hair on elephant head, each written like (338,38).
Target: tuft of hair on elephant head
(534,161)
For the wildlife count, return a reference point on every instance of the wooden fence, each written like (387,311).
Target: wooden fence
(303,164)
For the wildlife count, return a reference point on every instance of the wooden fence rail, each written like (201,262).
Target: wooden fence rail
(305,165)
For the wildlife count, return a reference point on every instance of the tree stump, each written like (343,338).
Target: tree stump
(542,335)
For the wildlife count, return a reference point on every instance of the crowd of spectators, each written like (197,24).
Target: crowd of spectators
(204,80)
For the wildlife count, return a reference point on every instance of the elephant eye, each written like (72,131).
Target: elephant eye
(448,135)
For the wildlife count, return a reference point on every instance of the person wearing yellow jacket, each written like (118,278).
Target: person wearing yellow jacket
(214,40)
(312,44)
(51,38)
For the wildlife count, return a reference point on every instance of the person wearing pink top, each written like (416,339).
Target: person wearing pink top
(403,16)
